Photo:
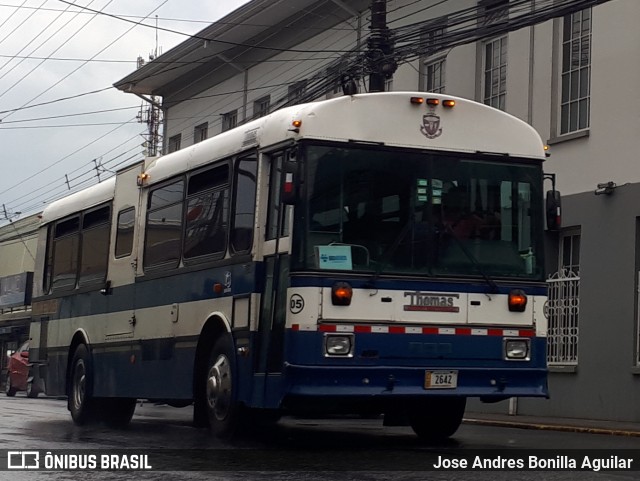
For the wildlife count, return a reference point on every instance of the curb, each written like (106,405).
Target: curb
(550,427)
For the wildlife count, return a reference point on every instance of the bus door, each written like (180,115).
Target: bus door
(120,287)
(271,322)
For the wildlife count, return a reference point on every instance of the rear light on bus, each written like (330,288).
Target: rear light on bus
(517,300)
(341,294)
(517,349)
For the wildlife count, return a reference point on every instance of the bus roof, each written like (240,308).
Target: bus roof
(388,118)
(84,199)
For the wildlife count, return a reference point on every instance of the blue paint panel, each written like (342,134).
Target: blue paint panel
(179,287)
(399,367)
(155,378)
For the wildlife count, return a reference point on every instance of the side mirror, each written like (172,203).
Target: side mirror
(553,210)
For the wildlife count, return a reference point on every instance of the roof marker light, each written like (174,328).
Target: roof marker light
(450,103)
(297,123)
(417,100)
(433,101)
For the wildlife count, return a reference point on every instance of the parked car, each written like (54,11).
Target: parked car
(18,373)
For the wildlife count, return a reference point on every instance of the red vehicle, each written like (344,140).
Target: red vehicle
(18,373)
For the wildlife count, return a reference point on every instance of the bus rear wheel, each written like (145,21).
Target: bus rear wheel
(437,418)
(222,406)
(81,403)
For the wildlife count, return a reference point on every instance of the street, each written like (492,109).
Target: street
(309,449)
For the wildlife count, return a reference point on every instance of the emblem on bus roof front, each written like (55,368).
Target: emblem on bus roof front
(431,126)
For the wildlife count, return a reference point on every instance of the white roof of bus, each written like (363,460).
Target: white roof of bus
(387,118)
(84,199)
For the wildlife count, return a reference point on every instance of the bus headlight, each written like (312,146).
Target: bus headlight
(338,345)
(517,349)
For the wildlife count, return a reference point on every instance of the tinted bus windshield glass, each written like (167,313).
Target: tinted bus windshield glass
(400,212)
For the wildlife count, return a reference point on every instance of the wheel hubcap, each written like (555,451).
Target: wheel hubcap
(79,381)
(219,387)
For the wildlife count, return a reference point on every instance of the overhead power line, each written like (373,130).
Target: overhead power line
(198,37)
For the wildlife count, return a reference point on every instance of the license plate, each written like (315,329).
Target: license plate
(440,379)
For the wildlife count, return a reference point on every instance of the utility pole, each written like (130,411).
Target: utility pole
(382,63)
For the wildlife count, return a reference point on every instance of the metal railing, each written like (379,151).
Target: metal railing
(563,313)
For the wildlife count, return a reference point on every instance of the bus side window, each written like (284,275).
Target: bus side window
(241,238)
(163,233)
(47,275)
(124,233)
(207,213)
(96,227)
(66,245)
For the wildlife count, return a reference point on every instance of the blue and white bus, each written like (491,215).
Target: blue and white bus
(375,253)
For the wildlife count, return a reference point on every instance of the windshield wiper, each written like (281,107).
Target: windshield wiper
(386,255)
(490,282)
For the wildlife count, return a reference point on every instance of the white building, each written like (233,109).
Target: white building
(572,77)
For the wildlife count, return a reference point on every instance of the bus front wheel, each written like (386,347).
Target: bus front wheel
(117,412)
(222,406)
(437,418)
(81,402)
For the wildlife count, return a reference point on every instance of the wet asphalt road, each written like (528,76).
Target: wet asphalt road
(293,449)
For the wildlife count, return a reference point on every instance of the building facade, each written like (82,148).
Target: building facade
(17,252)
(568,76)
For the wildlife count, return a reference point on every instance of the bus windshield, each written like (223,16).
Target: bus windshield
(389,211)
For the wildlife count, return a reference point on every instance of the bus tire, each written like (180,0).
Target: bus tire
(438,418)
(8,387)
(82,405)
(117,412)
(32,392)
(221,391)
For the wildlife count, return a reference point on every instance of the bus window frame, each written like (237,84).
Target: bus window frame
(165,265)
(225,188)
(234,201)
(108,222)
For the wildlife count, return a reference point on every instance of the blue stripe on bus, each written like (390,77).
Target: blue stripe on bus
(246,278)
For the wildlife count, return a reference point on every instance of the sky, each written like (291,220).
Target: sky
(61,122)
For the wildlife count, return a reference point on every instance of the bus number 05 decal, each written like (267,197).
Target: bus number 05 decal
(296,304)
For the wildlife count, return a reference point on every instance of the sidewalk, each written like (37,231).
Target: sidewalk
(617,428)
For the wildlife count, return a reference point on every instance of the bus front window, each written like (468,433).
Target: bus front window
(399,212)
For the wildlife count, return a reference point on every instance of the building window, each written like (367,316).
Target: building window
(261,107)
(494,11)
(434,73)
(563,305)
(576,72)
(174,143)
(229,120)
(200,132)
(295,94)
(495,73)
